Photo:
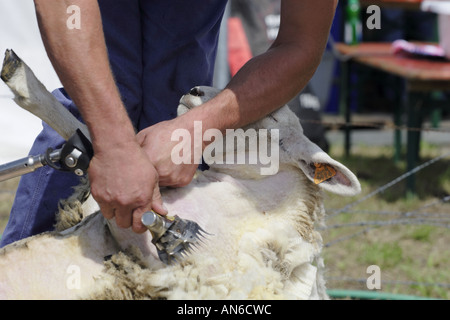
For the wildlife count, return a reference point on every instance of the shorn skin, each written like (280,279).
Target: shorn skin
(262,242)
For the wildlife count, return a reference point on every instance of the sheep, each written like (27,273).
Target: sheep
(262,241)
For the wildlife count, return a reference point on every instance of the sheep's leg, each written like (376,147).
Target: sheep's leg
(31,94)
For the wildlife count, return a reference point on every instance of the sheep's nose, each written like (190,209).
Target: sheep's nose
(197,92)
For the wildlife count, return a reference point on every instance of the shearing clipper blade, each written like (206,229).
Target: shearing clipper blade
(173,237)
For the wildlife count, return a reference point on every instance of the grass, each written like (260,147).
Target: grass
(413,259)
(386,254)
(422,233)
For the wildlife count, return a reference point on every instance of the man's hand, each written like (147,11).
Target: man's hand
(125,185)
(156,141)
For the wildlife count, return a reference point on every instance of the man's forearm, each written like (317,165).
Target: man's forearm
(80,59)
(269,81)
(264,84)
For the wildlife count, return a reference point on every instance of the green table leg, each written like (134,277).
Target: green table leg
(415,101)
(398,132)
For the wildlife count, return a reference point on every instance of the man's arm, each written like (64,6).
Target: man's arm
(261,86)
(123,180)
(273,78)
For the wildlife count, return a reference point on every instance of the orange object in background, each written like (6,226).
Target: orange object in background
(239,51)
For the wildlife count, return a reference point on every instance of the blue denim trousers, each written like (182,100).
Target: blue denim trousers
(158,50)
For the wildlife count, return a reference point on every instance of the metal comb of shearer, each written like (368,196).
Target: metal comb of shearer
(173,237)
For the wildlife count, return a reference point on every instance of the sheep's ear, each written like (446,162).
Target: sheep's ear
(317,165)
(330,174)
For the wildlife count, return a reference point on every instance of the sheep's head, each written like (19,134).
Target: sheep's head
(293,146)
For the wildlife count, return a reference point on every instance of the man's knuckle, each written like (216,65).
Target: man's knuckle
(122,200)
(184,180)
